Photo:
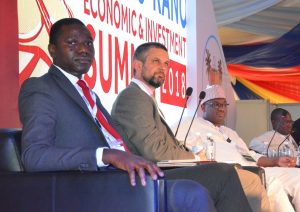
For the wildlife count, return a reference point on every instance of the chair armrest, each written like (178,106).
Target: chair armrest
(79,191)
(10,150)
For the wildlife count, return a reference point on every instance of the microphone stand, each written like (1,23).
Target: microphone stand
(269,144)
(188,93)
(201,97)
(286,137)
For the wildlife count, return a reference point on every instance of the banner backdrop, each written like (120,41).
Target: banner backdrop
(269,71)
(117,27)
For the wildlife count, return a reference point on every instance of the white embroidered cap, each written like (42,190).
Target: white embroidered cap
(213,92)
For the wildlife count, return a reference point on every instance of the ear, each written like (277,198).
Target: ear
(276,124)
(203,107)
(52,50)
(137,65)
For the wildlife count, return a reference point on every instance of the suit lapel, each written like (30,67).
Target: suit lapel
(70,91)
(132,84)
(67,87)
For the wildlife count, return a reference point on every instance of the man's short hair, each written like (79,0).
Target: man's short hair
(141,50)
(57,26)
(276,113)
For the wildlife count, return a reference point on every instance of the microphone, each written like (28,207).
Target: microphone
(188,93)
(286,137)
(201,97)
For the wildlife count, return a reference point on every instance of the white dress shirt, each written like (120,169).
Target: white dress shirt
(260,143)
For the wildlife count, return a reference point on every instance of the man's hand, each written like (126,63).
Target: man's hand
(285,161)
(131,163)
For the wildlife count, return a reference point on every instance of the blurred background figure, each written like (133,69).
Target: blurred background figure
(296,131)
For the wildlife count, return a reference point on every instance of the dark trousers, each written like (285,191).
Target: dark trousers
(221,181)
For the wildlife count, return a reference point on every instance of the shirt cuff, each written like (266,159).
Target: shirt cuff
(99,154)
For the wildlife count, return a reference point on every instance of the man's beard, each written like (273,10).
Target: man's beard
(155,83)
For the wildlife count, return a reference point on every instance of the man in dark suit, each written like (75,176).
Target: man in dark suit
(63,128)
(136,110)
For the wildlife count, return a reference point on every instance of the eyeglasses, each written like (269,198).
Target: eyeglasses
(217,105)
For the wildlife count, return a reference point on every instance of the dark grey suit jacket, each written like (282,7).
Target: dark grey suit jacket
(59,133)
(148,134)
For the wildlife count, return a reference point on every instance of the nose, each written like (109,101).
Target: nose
(222,108)
(164,68)
(83,48)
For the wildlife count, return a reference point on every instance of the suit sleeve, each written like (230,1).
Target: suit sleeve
(38,114)
(136,113)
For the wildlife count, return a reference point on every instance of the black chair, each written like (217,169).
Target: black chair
(108,190)
(10,150)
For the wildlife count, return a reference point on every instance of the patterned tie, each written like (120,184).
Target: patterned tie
(99,115)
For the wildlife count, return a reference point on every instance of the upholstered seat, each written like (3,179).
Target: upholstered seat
(106,190)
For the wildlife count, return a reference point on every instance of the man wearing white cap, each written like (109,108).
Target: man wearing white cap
(231,148)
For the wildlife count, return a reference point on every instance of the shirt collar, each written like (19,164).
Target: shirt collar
(212,125)
(143,86)
(70,77)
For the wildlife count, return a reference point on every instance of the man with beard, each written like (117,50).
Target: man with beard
(148,134)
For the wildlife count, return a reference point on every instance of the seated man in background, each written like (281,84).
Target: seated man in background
(136,110)
(296,131)
(65,126)
(231,148)
(270,142)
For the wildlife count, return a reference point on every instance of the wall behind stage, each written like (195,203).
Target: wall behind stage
(118,27)
(9,69)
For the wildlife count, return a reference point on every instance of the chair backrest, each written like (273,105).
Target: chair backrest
(10,150)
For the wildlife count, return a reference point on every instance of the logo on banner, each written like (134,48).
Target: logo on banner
(213,63)
(213,69)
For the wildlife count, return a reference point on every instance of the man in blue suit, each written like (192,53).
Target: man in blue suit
(61,128)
